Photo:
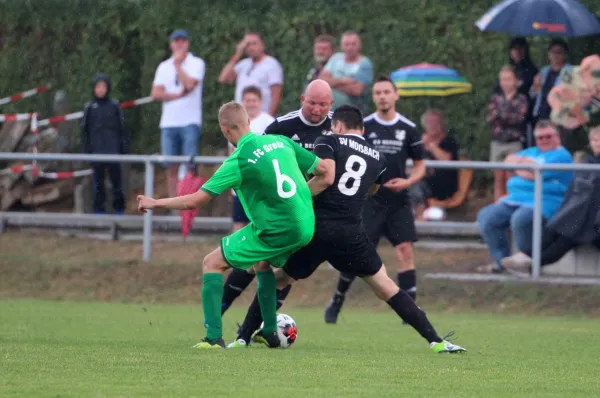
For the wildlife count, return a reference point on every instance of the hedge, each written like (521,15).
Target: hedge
(66,41)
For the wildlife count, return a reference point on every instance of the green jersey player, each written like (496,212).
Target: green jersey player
(267,175)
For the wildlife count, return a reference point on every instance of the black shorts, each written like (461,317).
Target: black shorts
(396,223)
(347,249)
(238,214)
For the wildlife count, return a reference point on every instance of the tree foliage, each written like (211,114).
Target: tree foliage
(66,42)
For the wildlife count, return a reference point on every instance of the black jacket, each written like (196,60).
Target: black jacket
(103,125)
(578,217)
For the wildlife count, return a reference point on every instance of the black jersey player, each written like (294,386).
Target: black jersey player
(303,126)
(389,213)
(340,236)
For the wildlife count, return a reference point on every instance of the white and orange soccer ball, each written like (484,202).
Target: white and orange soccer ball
(286,330)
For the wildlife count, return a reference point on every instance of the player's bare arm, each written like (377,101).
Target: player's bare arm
(324,176)
(185,202)
(400,184)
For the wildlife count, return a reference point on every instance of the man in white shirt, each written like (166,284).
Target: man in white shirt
(178,85)
(259,69)
(259,120)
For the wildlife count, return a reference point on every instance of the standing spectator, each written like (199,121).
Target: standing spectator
(349,73)
(178,85)
(258,69)
(103,132)
(507,114)
(259,120)
(515,211)
(548,78)
(323,49)
(524,67)
(439,145)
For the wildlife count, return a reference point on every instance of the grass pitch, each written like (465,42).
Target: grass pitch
(75,349)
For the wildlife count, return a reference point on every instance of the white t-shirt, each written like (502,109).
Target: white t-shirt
(263,75)
(185,110)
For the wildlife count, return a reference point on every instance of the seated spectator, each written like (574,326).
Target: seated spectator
(515,211)
(439,145)
(507,114)
(577,221)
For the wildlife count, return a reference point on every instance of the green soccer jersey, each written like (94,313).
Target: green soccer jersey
(266,173)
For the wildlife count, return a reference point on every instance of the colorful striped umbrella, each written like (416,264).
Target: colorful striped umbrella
(429,80)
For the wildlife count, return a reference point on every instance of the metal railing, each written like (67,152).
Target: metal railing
(150,161)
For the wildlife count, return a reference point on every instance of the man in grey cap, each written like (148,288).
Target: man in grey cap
(178,85)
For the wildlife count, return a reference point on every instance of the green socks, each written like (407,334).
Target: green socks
(212,295)
(267,298)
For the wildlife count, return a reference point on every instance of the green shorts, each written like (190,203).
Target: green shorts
(243,248)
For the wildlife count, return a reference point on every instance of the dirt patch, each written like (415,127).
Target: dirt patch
(46,266)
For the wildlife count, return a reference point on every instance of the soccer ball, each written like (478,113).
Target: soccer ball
(286,330)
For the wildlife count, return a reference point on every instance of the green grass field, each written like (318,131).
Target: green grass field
(78,349)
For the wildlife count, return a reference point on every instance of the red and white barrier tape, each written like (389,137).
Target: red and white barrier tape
(59,175)
(16,169)
(14,117)
(24,94)
(79,115)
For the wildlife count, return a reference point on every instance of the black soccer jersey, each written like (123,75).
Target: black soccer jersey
(294,126)
(399,140)
(357,167)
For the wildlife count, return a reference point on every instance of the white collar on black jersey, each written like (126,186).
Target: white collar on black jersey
(391,122)
(309,123)
(356,135)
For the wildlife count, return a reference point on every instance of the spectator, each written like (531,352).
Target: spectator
(577,221)
(439,145)
(323,49)
(507,114)
(103,132)
(349,73)
(178,85)
(525,68)
(259,69)
(548,78)
(515,211)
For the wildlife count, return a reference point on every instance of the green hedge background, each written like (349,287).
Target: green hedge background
(66,42)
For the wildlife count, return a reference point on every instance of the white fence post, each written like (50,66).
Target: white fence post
(148,191)
(537,224)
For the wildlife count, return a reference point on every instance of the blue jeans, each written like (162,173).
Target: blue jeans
(180,140)
(495,220)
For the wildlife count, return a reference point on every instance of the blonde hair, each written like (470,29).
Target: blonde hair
(509,68)
(233,115)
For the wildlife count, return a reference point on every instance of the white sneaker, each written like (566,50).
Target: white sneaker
(519,260)
(239,343)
